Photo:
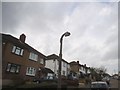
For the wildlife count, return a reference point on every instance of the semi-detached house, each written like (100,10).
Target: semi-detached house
(20,61)
(52,62)
(80,70)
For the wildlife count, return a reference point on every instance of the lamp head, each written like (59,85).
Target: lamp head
(67,34)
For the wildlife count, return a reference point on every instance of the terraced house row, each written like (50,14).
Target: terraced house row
(21,62)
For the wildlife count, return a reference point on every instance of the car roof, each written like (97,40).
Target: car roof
(98,82)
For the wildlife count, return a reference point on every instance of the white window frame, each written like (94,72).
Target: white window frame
(33,56)
(13,68)
(41,60)
(30,71)
(17,50)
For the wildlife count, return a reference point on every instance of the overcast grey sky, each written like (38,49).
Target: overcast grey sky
(93,27)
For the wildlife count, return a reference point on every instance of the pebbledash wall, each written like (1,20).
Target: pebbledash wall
(52,62)
(20,62)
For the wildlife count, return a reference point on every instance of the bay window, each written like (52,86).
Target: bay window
(30,71)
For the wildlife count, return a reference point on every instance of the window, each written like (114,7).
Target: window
(30,71)
(41,60)
(68,65)
(17,50)
(33,56)
(81,68)
(3,43)
(13,68)
(64,73)
(57,71)
(64,64)
(58,62)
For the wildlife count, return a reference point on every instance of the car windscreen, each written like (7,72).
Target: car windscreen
(97,85)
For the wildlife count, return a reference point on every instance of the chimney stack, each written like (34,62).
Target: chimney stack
(22,38)
(78,62)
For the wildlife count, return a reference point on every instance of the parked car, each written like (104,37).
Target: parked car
(106,79)
(119,78)
(99,85)
(46,79)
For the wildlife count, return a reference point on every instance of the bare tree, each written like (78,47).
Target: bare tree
(98,73)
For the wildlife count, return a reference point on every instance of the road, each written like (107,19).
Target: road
(115,84)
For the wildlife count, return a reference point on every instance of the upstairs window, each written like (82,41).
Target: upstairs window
(68,66)
(64,73)
(81,68)
(41,60)
(57,62)
(57,72)
(33,56)
(17,50)
(13,68)
(64,64)
(30,71)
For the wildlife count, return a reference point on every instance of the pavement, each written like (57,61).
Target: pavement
(114,84)
(82,85)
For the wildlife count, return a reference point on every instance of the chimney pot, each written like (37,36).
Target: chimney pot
(22,38)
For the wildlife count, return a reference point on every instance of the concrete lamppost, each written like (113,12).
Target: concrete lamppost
(60,59)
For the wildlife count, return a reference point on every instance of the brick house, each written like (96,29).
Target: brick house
(20,62)
(79,69)
(75,67)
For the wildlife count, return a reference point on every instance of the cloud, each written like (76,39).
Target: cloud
(93,28)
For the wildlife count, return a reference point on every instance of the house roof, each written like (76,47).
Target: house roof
(15,41)
(46,70)
(76,63)
(54,56)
